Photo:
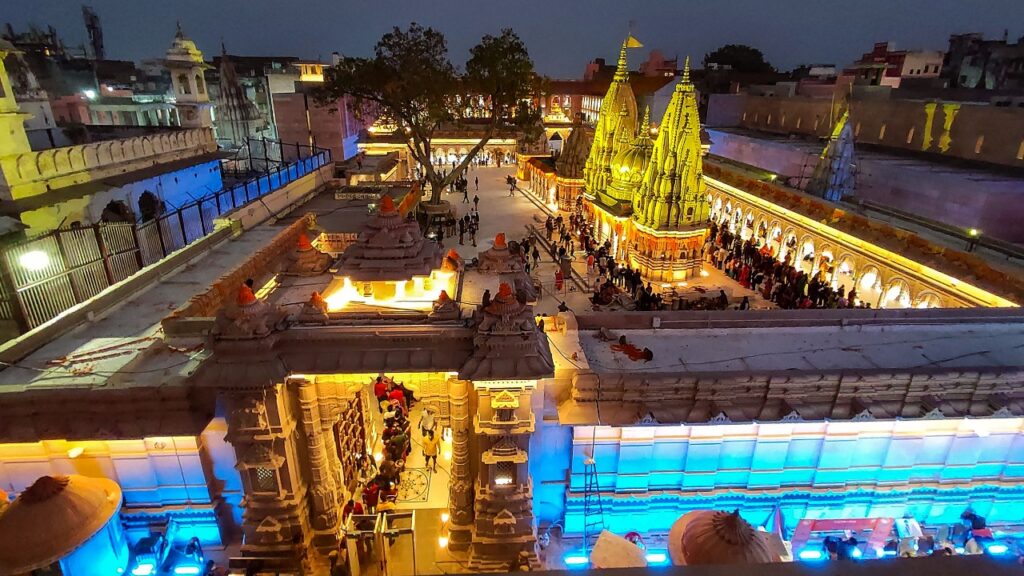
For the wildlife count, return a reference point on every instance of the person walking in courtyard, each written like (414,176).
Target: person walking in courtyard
(430,442)
(476,202)
(462,230)
(465,195)
(476,180)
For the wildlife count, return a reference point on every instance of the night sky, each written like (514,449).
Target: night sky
(562,35)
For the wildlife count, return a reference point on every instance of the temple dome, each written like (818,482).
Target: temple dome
(52,518)
(629,164)
(704,537)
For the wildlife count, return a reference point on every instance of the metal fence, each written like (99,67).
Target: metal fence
(44,276)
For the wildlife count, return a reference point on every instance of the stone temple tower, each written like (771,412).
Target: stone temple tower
(186,65)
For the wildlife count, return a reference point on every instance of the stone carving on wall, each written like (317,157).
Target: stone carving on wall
(257,455)
(251,414)
(270,531)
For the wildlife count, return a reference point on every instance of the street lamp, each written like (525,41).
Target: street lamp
(972,241)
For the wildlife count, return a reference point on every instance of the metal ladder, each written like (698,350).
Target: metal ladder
(593,512)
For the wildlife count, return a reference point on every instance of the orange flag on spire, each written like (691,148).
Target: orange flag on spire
(632,42)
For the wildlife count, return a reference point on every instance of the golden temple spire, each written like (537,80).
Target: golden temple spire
(645,126)
(684,84)
(622,70)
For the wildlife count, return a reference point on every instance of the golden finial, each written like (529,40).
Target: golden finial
(645,126)
(686,70)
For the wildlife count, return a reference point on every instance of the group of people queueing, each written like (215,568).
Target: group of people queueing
(394,400)
(777,280)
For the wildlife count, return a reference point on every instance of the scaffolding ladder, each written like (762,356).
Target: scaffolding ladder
(593,512)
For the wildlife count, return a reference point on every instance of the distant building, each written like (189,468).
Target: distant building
(973,62)
(885,66)
(300,119)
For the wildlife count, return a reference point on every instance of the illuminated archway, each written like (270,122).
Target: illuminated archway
(748,227)
(928,300)
(734,222)
(716,210)
(805,255)
(845,274)
(896,295)
(788,246)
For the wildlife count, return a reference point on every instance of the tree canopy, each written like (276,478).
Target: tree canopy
(410,83)
(739,57)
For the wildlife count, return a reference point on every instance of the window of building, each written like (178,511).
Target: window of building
(504,415)
(183,86)
(782,121)
(910,135)
(264,480)
(799,121)
(817,122)
(755,118)
(200,89)
(979,143)
(504,473)
(1020,151)
(744,116)
(768,120)
(856,129)
(881,132)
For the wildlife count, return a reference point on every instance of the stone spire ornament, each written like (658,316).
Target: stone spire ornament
(248,317)
(305,259)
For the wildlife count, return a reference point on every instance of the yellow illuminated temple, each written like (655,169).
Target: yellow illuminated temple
(648,197)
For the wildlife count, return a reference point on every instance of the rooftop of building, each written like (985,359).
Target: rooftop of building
(641,85)
(780,342)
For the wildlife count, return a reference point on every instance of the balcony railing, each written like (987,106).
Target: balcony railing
(48,274)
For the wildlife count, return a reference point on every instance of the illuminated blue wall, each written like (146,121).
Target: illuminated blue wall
(931,468)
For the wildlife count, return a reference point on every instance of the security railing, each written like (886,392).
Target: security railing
(48,274)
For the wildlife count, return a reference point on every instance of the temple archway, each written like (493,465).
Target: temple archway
(896,295)
(927,299)
(845,273)
(805,255)
(869,285)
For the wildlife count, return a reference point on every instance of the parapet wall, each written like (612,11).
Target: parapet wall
(967,131)
(33,173)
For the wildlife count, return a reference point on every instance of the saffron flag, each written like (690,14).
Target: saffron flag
(632,42)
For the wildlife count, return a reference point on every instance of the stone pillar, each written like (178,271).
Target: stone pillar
(460,500)
(324,513)
(276,515)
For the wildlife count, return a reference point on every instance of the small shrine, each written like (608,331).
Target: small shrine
(248,317)
(508,343)
(507,260)
(305,259)
(391,265)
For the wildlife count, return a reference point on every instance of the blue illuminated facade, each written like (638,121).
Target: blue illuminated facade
(932,469)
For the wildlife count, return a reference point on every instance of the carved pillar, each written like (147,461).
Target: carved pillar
(460,500)
(275,516)
(325,515)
